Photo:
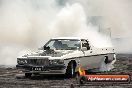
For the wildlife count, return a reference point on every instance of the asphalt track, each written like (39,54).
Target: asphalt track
(10,77)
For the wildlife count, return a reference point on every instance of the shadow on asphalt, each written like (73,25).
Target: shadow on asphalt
(49,77)
(55,77)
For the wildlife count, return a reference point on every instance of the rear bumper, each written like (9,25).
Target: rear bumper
(53,69)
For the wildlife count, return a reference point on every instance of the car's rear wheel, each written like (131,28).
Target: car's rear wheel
(106,64)
(28,75)
(106,60)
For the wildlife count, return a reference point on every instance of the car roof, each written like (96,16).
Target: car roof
(78,38)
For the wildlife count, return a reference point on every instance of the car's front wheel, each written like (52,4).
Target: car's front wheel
(70,72)
(28,75)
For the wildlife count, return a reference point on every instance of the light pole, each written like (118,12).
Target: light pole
(109,29)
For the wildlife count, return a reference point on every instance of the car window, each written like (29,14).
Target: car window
(63,44)
(85,44)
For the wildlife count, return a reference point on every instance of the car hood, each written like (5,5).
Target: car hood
(51,53)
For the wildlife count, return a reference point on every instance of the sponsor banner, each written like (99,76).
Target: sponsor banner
(104,79)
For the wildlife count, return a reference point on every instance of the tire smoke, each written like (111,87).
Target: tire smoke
(28,24)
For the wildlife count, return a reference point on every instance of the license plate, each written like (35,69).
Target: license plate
(37,68)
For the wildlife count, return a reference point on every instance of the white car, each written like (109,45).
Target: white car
(63,55)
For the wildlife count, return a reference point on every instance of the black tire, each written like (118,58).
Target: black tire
(28,75)
(70,72)
(107,60)
(36,74)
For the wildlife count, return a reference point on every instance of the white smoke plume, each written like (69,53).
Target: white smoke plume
(28,24)
(116,19)
(22,24)
(72,21)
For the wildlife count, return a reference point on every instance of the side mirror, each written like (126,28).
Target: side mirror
(46,48)
(84,49)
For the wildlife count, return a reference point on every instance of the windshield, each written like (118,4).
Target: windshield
(63,44)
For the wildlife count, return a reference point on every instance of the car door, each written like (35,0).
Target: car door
(90,59)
